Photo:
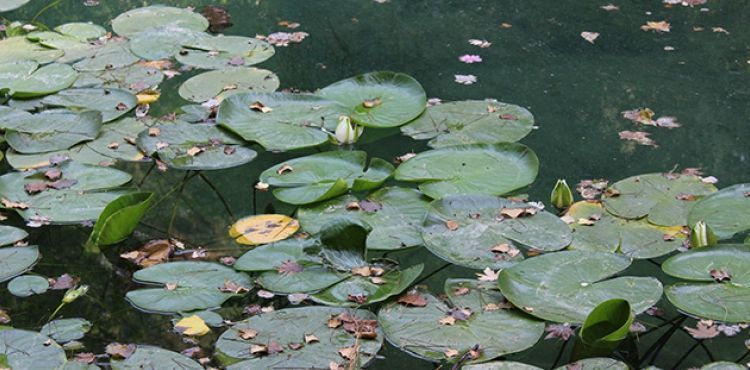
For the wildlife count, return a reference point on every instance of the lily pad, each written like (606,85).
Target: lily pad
(379,99)
(52,130)
(8,5)
(469,169)
(665,198)
(17,48)
(727,300)
(133,78)
(188,286)
(596,230)
(727,211)
(112,54)
(139,19)
(356,291)
(26,79)
(566,286)
(113,103)
(10,234)
(219,52)
(234,80)
(419,331)
(471,122)
(149,357)
(395,215)
(291,121)
(28,285)
(479,231)
(15,261)
(162,42)
(263,229)
(324,176)
(188,146)
(82,30)
(38,351)
(287,329)
(66,330)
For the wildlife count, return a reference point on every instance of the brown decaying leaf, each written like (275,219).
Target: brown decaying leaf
(64,282)
(194,151)
(274,347)
(704,329)
(234,288)
(517,212)
(720,275)
(154,131)
(258,349)
(365,329)
(265,294)
(461,314)
(118,350)
(152,253)
(260,107)
(11,204)
(450,353)
(53,174)
(451,225)
(311,338)
(284,169)
(85,358)
(660,26)
(447,320)
(488,275)
(506,248)
(357,298)
(4,317)
(295,346)
(639,137)
(192,352)
(372,103)
(461,290)
(35,187)
(289,268)
(349,353)
(247,334)
(412,299)
(590,36)
(362,271)
(559,331)
(217,16)
(334,322)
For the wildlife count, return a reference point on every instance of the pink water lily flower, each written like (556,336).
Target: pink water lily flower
(470,58)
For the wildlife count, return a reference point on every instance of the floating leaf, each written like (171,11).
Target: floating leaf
(589,363)
(162,42)
(727,211)
(10,234)
(134,78)
(464,169)
(148,357)
(391,283)
(8,5)
(26,79)
(219,52)
(566,286)
(210,84)
(197,286)
(18,48)
(479,226)
(52,130)
(401,98)
(325,175)
(139,19)
(263,229)
(38,351)
(66,330)
(112,54)
(471,122)
(15,261)
(113,103)
(28,285)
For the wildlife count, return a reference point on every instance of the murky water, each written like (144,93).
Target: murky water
(574,89)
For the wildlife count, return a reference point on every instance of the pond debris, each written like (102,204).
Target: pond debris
(656,26)
(218,18)
(645,116)
(465,79)
(590,36)
(639,137)
(481,43)
(559,331)
(414,299)
(283,39)
(192,326)
(119,350)
(610,7)
(720,30)
(488,275)
(152,253)
(470,58)
(704,329)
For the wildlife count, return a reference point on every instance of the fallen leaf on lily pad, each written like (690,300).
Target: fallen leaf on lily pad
(488,275)
(263,229)
(412,299)
(192,326)
(119,350)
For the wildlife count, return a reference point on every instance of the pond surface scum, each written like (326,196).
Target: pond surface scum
(259,184)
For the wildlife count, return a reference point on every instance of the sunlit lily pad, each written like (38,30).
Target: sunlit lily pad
(162,42)
(469,169)
(471,122)
(38,351)
(187,286)
(139,19)
(14,49)
(395,215)
(187,146)
(10,234)
(234,80)
(221,51)
(263,229)
(566,286)
(665,198)
(286,330)
(720,282)
(379,99)
(66,330)
(82,195)
(28,285)
(113,103)
(291,121)
(81,30)
(423,331)
(52,130)
(27,79)
(133,78)
(479,231)
(325,175)
(149,357)
(15,261)
(596,230)
(727,212)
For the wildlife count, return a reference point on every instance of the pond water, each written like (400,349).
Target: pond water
(538,60)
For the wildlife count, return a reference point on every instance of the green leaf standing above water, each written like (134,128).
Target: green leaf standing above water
(119,218)
(727,212)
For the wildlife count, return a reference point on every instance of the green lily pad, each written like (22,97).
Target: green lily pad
(418,331)
(133,78)
(392,282)
(26,79)
(14,49)
(727,301)
(566,286)
(596,230)
(113,103)
(120,217)
(395,215)
(228,81)
(723,365)
(8,5)
(82,30)
(378,99)
(112,54)
(471,122)
(198,286)
(139,19)
(501,365)
(219,52)
(188,146)
(727,211)
(38,352)
(325,175)
(665,199)
(66,330)
(83,200)
(288,327)
(10,234)
(162,42)
(469,169)
(74,47)
(15,261)
(28,285)
(149,357)
(53,130)
(464,230)
(295,120)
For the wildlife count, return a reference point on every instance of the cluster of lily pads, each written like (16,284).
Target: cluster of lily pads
(76,101)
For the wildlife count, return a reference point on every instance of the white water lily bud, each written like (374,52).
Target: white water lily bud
(73,294)
(701,235)
(562,196)
(347,132)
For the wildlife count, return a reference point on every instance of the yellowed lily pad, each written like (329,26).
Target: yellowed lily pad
(263,229)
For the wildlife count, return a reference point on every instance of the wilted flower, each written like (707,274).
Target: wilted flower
(559,331)
(347,132)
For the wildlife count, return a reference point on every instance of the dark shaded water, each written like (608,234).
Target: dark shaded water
(574,89)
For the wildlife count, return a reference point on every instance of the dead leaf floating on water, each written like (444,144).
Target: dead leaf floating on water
(639,137)
(719,30)
(218,17)
(610,7)
(704,329)
(470,58)
(590,36)
(118,350)
(152,253)
(465,79)
(660,26)
(481,43)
